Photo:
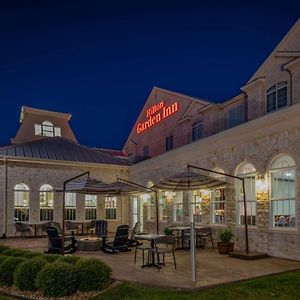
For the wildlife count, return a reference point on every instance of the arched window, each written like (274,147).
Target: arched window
(283,191)
(218,203)
(21,202)
(248,172)
(197,131)
(46,202)
(47,129)
(277,96)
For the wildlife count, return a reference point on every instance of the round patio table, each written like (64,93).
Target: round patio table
(89,244)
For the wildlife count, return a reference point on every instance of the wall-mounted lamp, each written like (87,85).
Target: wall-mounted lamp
(262,188)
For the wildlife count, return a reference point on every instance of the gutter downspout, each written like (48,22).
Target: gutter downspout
(291,85)
(5,199)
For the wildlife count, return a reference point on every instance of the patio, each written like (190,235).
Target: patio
(212,268)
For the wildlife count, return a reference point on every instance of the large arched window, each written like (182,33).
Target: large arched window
(248,172)
(277,96)
(197,131)
(283,191)
(21,202)
(47,129)
(46,202)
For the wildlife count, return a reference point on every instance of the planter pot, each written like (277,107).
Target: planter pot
(225,248)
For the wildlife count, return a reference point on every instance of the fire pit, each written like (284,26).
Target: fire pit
(89,244)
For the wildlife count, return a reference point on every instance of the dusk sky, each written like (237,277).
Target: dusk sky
(100,61)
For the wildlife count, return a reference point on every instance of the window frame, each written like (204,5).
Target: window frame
(235,110)
(195,129)
(90,211)
(276,89)
(46,211)
(22,210)
(111,210)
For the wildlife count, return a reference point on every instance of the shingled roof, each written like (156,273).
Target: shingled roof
(60,149)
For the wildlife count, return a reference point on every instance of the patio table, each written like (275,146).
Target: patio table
(150,237)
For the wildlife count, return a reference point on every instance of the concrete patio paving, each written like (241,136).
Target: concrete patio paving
(212,268)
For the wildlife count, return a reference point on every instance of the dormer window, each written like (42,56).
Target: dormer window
(197,131)
(47,129)
(277,96)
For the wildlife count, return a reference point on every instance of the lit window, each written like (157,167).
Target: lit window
(38,129)
(169,142)
(21,199)
(177,206)
(196,206)
(197,129)
(70,206)
(218,206)
(90,207)
(283,192)
(47,129)
(236,116)
(248,172)
(163,207)
(110,208)
(46,203)
(277,96)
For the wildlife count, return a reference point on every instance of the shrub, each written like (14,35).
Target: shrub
(92,274)
(51,257)
(7,268)
(57,280)
(2,258)
(26,273)
(17,253)
(226,235)
(30,254)
(8,251)
(2,248)
(69,259)
(168,231)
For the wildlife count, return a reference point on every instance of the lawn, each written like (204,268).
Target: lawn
(284,286)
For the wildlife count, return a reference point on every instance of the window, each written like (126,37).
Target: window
(236,116)
(146,151)
(169,142)
(47,129)
(110,208)
(21,200)
(135,209)
(218,206)
(163,207)
(70,206)
(46,202)
(149,203)
(196,207)
(277,96)
(90,207)
(177,206)
(283,192)
(248,172)
(197,131)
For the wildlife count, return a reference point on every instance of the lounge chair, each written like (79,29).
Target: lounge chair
(132,241)
(55,244)
(101,230)
(23,228)
(120,241)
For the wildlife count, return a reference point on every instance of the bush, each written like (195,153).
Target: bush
(168,231)
(26,273)
(69,259)
(226,235)
(51,257)
(7,268)
(8,251)
(57,280)
(2,248)
(2,258)
(30,254)
(93,274)
(18,253)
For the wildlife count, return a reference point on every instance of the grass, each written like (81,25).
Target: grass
(280,287)
(6,298)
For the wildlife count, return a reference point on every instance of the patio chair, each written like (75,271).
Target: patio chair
(23,228)
(57,226)
(163,245)
(101,230)
(144,248)
(202,234)
(120,241)
(71,226)
(55,242)
(132,241)
(45,226)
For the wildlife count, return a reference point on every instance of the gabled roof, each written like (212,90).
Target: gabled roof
(60,149)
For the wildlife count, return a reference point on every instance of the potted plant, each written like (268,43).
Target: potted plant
(168,231)
(225,245)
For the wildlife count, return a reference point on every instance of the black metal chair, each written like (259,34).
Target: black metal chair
(120,241)
(55,242)
(163,245)
(101,230)
(202,234)
(23,228)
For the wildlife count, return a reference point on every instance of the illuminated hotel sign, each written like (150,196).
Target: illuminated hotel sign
(156,114)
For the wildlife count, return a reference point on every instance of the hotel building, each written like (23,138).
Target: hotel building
(254,135)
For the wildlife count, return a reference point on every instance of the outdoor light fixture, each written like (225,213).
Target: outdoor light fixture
(145,198)
(262,188)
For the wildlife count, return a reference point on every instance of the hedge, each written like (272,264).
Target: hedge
(2,248)
(51,257)
(57,280)
(7,268)
(92,274)
(69,259)
(3,257)
(26,273)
